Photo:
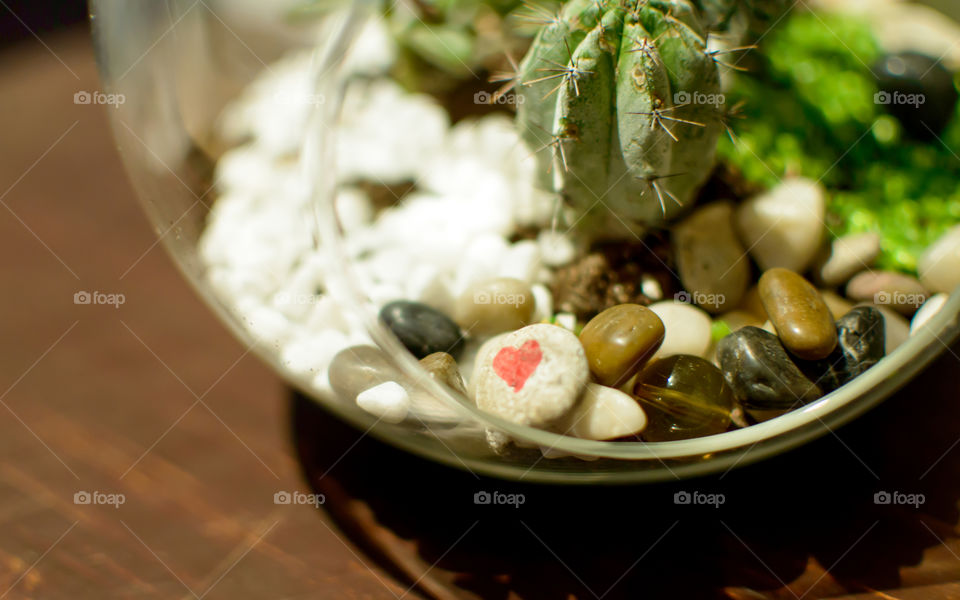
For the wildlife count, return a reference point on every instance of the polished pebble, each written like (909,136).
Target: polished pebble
(532,376)
(761,373)
(900,292)
(495,306)
(918,74)
(862,343)
(710,258)
(443,368)
(799,314)
(619,341)
(604,413)
(784,226)
(930,308)
(421,328)
(848,256)
(685,397)
(687,329)
(939,265)
(359,368)
(388,401)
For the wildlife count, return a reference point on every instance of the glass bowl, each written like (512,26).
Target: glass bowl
(179,66)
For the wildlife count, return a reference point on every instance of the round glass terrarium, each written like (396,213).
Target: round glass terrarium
(306,163)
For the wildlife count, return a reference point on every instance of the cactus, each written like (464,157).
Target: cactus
(621,103)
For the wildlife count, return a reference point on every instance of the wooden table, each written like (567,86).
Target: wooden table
(155,401)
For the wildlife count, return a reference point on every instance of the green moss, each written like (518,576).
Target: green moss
(809,109)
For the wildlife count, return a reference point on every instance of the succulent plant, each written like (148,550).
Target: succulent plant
(621,102)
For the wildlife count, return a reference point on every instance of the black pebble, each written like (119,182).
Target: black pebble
(422,329)
(906,74)
(862,342)
(761,373)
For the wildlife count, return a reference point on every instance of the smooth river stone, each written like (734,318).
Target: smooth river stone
(784,226)
(761,373)
(918,74)
(443,368)
(359,368)
(799,314)
(421,328)
(862,343)
(532,376)
(685,397)
(495,306)
(687,329)
(900,292)
(939,266)
(388,401)
(712,263)
(604,413)
(619,341)
(930,308)
(848,256)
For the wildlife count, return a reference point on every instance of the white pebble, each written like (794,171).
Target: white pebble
(651,287)
(543,303)
(567,320)
(939,267)
(687,329)
(784,226)
(387,401)
(521,261)
(926,312)
(556,248)
(604,413)
(312,353)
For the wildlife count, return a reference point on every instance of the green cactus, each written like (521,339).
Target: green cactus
(621,102)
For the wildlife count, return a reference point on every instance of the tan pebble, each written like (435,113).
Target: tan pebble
(495,306)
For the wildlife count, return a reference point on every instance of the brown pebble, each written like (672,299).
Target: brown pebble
(801,317)
(443,367)
(620,340)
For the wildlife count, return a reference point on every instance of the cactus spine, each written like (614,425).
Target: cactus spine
(616,105)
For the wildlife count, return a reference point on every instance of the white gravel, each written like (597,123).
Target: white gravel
(474,188)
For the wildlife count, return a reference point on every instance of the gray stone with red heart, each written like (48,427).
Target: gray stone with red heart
(532,376)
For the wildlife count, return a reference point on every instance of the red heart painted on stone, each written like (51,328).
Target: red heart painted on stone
(515,366)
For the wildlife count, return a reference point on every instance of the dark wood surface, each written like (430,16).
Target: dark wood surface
(154,400)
